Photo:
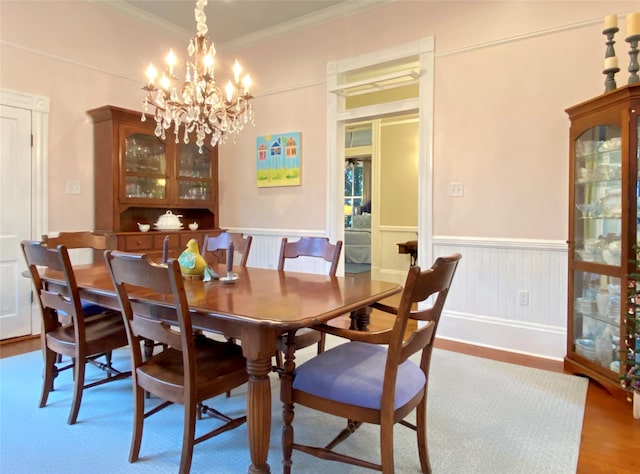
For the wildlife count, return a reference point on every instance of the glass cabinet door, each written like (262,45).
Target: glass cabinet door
(596,318)
(145,166)
(598,195)
(194,172)
(598,239)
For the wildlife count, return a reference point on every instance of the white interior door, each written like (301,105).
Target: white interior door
(15,220)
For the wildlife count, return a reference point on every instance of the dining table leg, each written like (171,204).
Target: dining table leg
(258,352)
(360,318)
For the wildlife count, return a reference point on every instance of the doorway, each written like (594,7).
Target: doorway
(380,85)
(357,198)
(23,184)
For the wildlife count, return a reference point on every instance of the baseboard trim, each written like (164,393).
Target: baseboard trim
(535,340)
(499,355)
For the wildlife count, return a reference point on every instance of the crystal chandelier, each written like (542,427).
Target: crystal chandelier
(199,104)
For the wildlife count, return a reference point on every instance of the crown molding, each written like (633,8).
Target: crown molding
(341,10)
(137,14)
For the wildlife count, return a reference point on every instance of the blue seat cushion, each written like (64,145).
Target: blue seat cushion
(353,373)
(90,309)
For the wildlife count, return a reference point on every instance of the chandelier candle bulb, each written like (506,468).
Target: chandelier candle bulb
(229,89)
(171,61)
(246,83)
(237,69)
(151,74)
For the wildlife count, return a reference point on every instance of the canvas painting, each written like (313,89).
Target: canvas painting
(278,160)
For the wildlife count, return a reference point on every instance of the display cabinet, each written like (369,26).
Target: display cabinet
(139,176)
(603,230)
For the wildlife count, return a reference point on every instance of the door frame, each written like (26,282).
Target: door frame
(39,107)
(337,118)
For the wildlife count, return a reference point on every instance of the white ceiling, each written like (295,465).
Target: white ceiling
(232,20)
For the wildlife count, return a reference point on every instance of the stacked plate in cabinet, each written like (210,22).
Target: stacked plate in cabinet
(586,348)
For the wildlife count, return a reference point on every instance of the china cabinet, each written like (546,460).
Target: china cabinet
(603,231)
(139,176)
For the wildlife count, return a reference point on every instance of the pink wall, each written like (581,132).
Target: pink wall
(499,123)
(504,73)
(80,56)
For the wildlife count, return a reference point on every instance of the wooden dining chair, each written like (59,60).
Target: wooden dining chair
(81,240)
(316,247)
(214,248)
(214,251)
(77,240)
(366,382)
(82,339)
(192,369)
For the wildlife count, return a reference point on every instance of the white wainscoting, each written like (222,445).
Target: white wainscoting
(483,305)
(387,263)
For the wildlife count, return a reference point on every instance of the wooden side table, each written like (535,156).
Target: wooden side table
(410,247)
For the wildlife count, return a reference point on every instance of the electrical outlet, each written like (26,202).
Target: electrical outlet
(73,187)
(523,297)
(456,189)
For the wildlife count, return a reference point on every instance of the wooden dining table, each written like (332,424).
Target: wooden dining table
(258,307)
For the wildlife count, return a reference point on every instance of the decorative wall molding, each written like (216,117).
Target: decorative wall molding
(522,37)
(558,245)
(68,60)
(483,305)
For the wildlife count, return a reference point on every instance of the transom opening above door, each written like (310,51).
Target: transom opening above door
(378,78)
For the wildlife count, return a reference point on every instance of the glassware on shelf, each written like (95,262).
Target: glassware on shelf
(137,187)
(611,205)
(194,190)
(144,154)
(192,163)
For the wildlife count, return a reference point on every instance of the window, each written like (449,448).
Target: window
(353,190)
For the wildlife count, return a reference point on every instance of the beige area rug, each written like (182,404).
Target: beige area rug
(484,417)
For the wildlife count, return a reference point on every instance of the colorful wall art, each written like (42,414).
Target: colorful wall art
(278,160)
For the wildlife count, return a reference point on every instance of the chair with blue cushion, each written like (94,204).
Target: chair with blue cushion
(80,338)
(373,378)
(315,247)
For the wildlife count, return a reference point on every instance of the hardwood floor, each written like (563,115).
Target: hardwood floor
(610,435)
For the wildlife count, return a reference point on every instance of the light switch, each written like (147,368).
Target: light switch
(73,187)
